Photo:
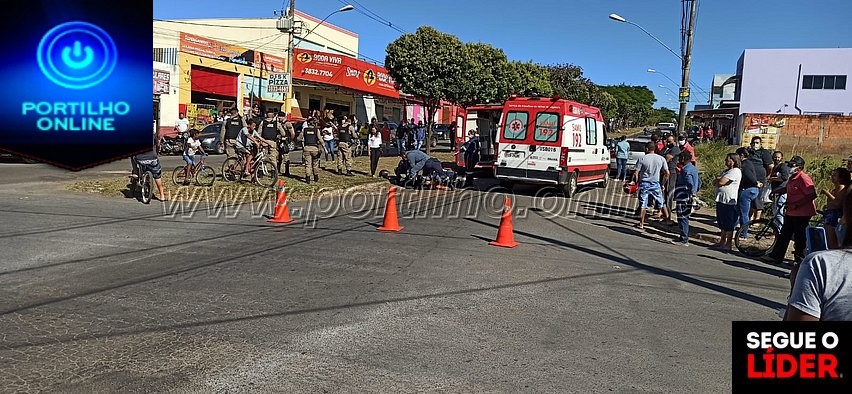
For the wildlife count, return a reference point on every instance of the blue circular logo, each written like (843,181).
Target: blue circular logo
(77,55)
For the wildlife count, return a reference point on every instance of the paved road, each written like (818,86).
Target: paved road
(100,295)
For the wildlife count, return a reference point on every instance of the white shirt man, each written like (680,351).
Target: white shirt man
(182,124)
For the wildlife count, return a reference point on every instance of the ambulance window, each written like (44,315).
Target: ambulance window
(591,131)
(547,127)
(516,125)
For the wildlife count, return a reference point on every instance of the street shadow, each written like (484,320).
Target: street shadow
(625,260)
(43,340)
(749,266)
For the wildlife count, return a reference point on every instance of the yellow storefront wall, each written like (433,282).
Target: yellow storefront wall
(185,63)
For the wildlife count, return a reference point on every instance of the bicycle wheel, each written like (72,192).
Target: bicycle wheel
(265,173)
(146,189)
(179,176)
(232,169)
(205,176)
(762,235)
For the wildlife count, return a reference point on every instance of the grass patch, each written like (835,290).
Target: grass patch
(711,162)
(297,189)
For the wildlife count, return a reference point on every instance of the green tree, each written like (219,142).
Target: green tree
(568,82)
(662,114)
(487,76)
(528,78)
(427,64)
(634,104)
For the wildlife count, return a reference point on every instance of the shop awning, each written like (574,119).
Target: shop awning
(212,81)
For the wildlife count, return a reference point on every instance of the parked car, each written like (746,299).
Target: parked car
(637,151)
(210,141)
(388,130)
(441,131)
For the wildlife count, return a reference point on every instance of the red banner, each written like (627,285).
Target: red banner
(343,71)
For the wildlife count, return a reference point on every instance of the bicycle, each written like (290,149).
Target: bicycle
(142,185)
(202,174)
(762,233)
(264,173)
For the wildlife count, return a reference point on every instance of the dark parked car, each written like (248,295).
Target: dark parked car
(441,131)
(210,139)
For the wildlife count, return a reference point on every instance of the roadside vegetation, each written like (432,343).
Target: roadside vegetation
(711,162)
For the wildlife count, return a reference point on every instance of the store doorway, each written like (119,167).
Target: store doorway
(338,109)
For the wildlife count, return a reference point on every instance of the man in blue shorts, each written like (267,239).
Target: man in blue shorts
(649,170)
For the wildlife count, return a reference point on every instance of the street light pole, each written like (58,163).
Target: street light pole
(687,57)
(651,70)
(619,18)
(291,46)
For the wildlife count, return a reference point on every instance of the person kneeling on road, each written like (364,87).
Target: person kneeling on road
(418,160)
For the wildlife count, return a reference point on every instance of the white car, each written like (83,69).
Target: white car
(637,150)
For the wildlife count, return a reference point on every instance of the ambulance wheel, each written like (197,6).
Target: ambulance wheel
(507,184)
(570,187)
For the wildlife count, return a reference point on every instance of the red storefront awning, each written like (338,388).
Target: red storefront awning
(344,71)
(207,80)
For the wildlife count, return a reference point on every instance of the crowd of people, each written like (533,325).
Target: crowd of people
(754,176)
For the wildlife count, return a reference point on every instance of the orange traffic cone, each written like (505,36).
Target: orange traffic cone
(391,222)
(505,234)
(282,212)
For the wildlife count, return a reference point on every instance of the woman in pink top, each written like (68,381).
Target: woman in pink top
(801,195)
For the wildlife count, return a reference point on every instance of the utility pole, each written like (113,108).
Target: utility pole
(687,57)
(288,22)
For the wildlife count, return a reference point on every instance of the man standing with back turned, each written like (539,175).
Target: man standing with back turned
(647,174)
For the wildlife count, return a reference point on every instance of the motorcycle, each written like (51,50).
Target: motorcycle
(171,145)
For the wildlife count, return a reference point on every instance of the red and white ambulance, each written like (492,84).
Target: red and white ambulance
(553,141)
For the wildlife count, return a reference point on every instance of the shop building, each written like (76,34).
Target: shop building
(223,63)
(798,98)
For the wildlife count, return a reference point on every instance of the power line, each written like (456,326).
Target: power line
(374,16)
(212,25)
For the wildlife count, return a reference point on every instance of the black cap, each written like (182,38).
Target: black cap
(796,161)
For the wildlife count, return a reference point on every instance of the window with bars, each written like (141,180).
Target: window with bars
(165,55)
(827,82)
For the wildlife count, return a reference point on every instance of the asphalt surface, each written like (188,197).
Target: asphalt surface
(109,295)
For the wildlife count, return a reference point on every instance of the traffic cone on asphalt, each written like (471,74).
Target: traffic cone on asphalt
(282,212)
(391,223)
(505,234)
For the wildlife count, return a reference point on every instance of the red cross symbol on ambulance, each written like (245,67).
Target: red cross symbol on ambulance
(516,125)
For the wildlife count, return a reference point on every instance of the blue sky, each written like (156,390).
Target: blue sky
(578,31)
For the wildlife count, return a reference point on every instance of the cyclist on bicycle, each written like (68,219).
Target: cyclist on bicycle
(149,161)
(247,143)
(193,144)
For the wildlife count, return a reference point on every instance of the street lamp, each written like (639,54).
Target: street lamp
(651,70)
(619,18)
(688,20)
(291,45)
(348,7)
(669,89)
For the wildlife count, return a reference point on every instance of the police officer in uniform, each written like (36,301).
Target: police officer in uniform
(344,137)
(230,130)
(311,151)
(274,133)
(284,144)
